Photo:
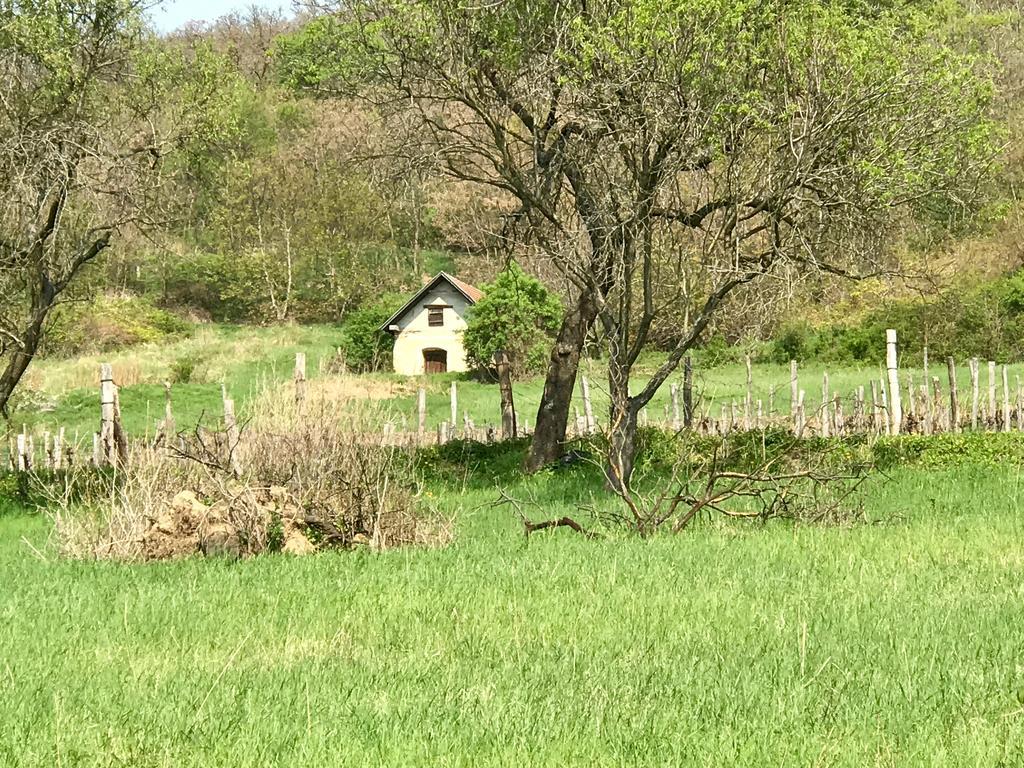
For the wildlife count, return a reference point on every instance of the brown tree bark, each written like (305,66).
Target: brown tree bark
(553,413)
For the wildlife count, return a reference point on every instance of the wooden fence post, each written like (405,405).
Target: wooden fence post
(1006,400)
(421,413)
(23,459)
(674,394)
(794,389)
(895,411)
(454,396)
(107,412)
(992,392)
(973,367)
(748,402)
(588,409)
(688,392)
(169,426)
(954,396)
(825,405)
(58,449)
(300,377)
(231,430)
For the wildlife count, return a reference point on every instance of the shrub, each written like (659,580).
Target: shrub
(365,345)
(110,322)
(516,314)
(185,369)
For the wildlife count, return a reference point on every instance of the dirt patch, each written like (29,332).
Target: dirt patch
(247,524)
(341,388)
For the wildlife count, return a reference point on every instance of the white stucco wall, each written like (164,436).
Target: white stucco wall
(415,335)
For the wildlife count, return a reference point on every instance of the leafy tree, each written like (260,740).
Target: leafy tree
(668,152)
(516,314)
(92,110)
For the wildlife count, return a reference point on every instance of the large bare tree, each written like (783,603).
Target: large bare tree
(92,107)
(662,153)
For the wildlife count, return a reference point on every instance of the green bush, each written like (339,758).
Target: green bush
(365,345)
(107,322)
(950,450)
(516,314)
(185,369)
(986,320)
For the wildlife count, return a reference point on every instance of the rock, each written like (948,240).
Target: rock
(297,543)
(188,509)
(219,539)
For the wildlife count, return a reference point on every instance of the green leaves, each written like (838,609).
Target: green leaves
(516,314)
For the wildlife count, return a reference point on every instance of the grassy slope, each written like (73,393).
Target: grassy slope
(891,644)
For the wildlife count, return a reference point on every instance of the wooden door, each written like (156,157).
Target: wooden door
(435,361)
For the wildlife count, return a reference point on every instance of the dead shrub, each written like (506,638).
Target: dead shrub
(297,477)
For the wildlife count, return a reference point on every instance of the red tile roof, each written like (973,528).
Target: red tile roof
(473,293)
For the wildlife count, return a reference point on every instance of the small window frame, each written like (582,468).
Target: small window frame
(435,317)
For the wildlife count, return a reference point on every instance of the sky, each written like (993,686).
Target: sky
(172,14)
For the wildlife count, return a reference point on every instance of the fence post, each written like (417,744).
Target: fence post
(588,408)
(169,426)
(58,449)
(23,460)
(794,389)
(300,377)
(688,392)
(231,430)
(748,403)
(107,412)
(674,391)
(973,368)
(954,396)
(1006,400)
(454,396)
(824,405)
(992,392)
(895,410)
(421,413)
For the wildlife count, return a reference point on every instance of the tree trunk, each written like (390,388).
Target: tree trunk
(20,358)
(553,414)
(621,430)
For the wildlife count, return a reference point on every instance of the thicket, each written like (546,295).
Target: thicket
(985,320)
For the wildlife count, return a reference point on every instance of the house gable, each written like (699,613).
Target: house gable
(460,296)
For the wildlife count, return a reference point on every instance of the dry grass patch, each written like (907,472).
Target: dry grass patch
(298,478)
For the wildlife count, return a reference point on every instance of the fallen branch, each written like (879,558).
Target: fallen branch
(568,522)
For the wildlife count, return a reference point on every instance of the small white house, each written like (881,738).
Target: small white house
(428,328)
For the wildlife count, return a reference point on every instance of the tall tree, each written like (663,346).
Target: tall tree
(91,106)
(737,136)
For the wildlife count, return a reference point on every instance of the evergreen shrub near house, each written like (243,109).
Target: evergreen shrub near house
(516,314)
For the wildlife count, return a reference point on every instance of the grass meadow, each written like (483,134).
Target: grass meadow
(896,641)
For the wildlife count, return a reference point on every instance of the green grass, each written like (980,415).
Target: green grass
(245,358)
(896,643)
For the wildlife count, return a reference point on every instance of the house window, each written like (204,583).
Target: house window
(435,317)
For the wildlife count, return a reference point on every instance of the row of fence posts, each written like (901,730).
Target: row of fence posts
(885,406)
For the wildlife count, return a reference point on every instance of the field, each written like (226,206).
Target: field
(892,642)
